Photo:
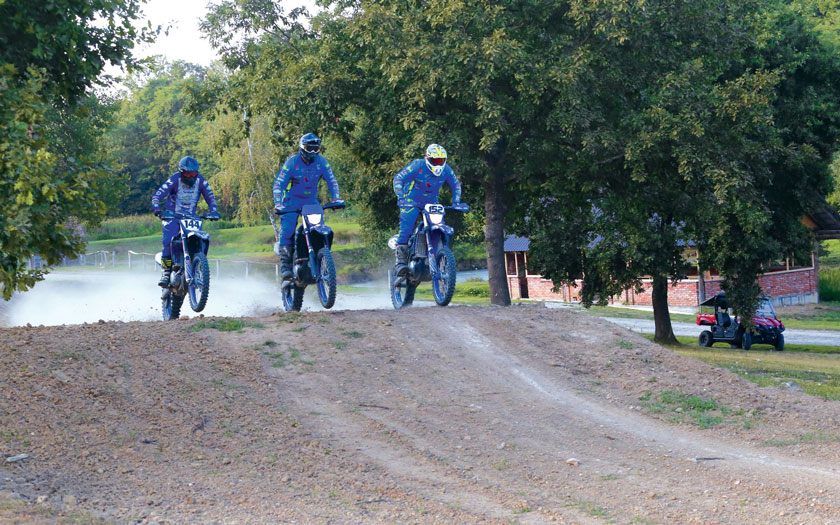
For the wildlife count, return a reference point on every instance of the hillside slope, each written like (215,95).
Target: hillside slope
(430,415)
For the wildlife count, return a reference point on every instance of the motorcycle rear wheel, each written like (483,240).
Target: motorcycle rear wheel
(199,288)
(402,295)
(171,306)
(292,297)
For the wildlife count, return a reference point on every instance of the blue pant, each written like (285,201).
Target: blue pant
(170,230)
(288,222)
(408,217)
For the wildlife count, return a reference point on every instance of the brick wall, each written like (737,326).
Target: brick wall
(683,293)
(779,284)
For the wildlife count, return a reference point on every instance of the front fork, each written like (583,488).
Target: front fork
(188,270)
(433,238)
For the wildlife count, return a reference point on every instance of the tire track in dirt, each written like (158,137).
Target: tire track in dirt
(543,417)
(652,433)
(457,414)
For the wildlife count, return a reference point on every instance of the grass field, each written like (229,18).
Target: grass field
(232,243)
(690,341)
(830,256)
(814,369)
(824,316)
(355,262)
(469,292)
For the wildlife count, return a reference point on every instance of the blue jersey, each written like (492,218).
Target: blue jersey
(296,183)
(180,198)
(417,183)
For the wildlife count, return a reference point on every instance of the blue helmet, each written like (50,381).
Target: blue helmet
(309,147)
(188,164)
(189,170)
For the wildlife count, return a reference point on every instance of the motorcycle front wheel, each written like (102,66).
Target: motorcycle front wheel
(443,284)
(326,278)
(171,306)
(200,286)
(402,294)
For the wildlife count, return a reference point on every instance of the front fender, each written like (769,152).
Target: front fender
(198,241)
(326,234)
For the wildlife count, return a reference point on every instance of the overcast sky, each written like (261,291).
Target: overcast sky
(184,41)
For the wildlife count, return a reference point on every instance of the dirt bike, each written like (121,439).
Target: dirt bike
(313,260)
(429,258)
(190,275)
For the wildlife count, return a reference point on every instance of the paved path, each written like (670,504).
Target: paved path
(796,337)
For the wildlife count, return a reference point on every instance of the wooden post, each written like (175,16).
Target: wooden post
(815,263)
(129,260)
(114,258)
(276,272)
(218,268)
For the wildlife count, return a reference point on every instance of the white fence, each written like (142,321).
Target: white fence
(145,262)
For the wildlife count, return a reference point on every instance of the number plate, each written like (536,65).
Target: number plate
(191,225)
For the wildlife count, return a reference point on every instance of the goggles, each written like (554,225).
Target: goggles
(312,148)
(189,174)
(437,161)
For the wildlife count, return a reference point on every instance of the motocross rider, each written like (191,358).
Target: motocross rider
(180,194)
(416,185)
(295,185)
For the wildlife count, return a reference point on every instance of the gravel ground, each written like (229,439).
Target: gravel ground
(429,415)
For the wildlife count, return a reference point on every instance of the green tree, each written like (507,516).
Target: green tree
(722,147)
(154,130)
(491,81)
(666,131)
(51,54)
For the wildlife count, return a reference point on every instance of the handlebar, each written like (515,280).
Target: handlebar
(463,207)
(166,215)
(334,205)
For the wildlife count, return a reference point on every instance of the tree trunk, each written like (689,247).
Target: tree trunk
(663,332)
(494,238)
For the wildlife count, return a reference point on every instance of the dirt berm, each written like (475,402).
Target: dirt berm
(458,414)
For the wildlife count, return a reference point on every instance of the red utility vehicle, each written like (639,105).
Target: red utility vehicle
(766,327)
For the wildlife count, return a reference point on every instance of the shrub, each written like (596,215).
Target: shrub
(830,285)
(141,226)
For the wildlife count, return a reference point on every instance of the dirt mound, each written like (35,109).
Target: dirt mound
(430,415)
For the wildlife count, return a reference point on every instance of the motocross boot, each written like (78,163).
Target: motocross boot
(401,267)
(285,253)
(166,264)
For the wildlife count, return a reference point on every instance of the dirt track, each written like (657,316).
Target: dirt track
(460,414)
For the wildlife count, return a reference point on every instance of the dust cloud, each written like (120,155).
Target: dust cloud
(67,297)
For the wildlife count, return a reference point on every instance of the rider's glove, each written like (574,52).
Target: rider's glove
(157,213)
(339,202)
(213,216)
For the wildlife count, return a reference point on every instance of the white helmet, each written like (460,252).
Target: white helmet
(435,159)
